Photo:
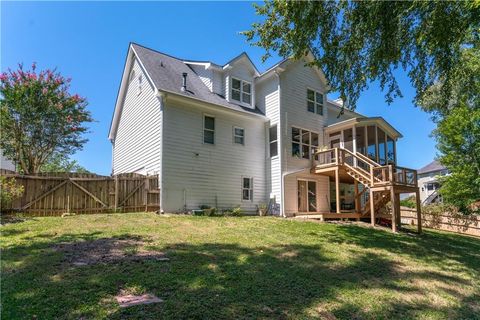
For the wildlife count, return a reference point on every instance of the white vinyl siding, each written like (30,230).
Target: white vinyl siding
(138,142)
(268,100)
(295,81)
(196,174)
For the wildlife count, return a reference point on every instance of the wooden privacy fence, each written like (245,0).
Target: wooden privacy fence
(466,224)
(55,194)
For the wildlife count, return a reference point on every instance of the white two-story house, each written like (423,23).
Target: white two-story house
(228,135)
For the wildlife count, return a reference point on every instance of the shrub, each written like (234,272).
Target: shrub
(210,212)
(440,208)
(262,209)
(9,191)
(236,212)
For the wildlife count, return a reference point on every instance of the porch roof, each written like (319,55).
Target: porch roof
(379,121)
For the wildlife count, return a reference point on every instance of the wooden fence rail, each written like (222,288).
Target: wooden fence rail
(469,224)
(55,194)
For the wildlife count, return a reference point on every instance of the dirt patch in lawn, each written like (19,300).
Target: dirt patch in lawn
(107,250)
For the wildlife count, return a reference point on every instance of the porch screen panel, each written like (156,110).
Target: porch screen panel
(382,156)
(302,196)
(390,150)
(371,143)
(348,144)
(361,145)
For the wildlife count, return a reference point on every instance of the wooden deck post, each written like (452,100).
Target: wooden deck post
(395,212)
(419,211)
(399,213)
(357,200)
(337,188)
(372,209)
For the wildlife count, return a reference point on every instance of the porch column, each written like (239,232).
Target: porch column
(337,190)
(395,212)
(372,209)
(419,211)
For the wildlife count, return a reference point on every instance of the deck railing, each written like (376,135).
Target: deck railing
(366,167)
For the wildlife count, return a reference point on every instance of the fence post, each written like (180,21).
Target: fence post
(116,193)
(145,191)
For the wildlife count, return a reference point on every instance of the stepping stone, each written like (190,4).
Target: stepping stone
(132,300)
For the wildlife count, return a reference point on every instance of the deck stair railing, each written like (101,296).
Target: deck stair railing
(363,169)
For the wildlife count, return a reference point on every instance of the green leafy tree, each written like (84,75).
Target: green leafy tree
(39,117)
(9,191)
(458,129)
(458,137)
(61,163)
(357,42)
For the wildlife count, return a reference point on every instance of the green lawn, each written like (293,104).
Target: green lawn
(248,267)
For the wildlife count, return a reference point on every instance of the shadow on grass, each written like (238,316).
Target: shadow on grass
(212,280)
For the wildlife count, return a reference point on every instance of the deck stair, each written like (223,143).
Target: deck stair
(383,183)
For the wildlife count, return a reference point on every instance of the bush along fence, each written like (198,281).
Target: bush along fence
(466,224)
(58,193)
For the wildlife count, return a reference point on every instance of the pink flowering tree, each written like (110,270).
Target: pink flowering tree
(39,117)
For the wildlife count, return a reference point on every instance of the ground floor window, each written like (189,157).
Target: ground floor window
(247,188)
(307,196)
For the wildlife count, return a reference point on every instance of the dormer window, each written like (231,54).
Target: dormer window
(314,102)
(241,91)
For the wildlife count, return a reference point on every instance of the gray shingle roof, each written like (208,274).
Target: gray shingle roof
(166,74)
(431,167)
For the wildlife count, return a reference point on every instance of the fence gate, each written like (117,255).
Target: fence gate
(55,194)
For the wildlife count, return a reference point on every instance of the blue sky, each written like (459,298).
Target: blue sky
(88,41)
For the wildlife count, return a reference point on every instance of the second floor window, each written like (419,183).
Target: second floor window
(239,135)
(304,143)
(273,141)
(241,91)
(209,130)
(314,102)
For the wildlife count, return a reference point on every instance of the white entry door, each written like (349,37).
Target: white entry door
(307,196)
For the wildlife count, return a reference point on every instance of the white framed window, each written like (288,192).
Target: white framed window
(247,188)
(273,141)
(304,143)
(238,135)
(241,91)
(314,102)
(208,129)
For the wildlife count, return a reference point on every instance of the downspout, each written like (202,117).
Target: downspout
(162,97)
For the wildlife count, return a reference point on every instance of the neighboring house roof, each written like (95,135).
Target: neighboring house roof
(432,167)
